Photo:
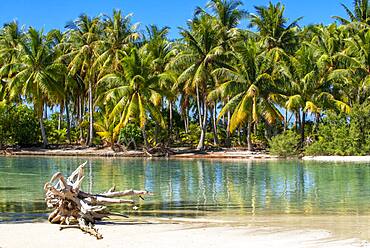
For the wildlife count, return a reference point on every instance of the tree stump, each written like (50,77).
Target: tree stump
(74,208)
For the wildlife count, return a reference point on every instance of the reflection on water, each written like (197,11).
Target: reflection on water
(195,187)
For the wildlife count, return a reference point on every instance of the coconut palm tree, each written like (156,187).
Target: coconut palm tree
(55,39)
(82,39)
(162,52)
(352,75)
(228,15)
(201,52)
(273,28)
(248,82)
(37,75)
(134,92)
(118,37)
(227,12)
(360,13)
(10,39)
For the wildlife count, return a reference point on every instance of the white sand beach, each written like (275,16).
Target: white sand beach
(163,235)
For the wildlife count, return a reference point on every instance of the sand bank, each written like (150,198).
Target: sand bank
(163,235)
(107,152)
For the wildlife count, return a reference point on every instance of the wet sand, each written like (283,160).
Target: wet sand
(164,233)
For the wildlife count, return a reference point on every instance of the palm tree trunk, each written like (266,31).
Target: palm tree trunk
(43,133)
(228,134)
(68,122)
(202,119)
(186,121)
(45,111)
(203,127)
(286,120)
(145,138)
(239,136)
(198,107)
(249,137)
(214,117)
(91,120)
(170,120)
(60,116)
(80,118)
(297,120)
(302,127)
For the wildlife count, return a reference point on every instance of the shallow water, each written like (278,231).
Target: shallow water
(195,188)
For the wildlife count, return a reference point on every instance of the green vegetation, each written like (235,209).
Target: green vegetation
(339,134)
(285,144)
(218,85)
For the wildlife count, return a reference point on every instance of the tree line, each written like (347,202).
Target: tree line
(217,85)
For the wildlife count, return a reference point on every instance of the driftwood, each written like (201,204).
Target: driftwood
(74,208)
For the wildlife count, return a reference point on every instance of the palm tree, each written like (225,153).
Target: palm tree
(201,51)
(10,39)
(273,28)
(227,12)
(161,50)
(105,127)
(352,75)
(37,75)
(118,37)
(134,92)
(360,13)
(82,38)
(56,38)
(248,82)
(228,15)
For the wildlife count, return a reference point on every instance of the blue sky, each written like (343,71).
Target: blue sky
(49,14)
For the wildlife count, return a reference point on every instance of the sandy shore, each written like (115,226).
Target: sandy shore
(107,152)
(179,153)
(163,235)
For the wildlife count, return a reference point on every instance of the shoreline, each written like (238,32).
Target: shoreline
(224,154)
(107,152)
(174,233)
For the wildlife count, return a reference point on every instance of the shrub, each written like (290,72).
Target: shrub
(18,126)
(285,144)
(131,136)
(343,135)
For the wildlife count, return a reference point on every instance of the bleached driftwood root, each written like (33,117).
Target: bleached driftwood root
(74,208)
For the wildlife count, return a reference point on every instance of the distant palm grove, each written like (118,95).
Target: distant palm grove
(291,89)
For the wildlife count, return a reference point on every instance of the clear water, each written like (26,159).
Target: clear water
(193,188)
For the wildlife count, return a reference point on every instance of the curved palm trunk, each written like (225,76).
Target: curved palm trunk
(202,120)
(186,121)
(91,120)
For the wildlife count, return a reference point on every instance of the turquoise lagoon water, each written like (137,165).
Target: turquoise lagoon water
(194,188)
